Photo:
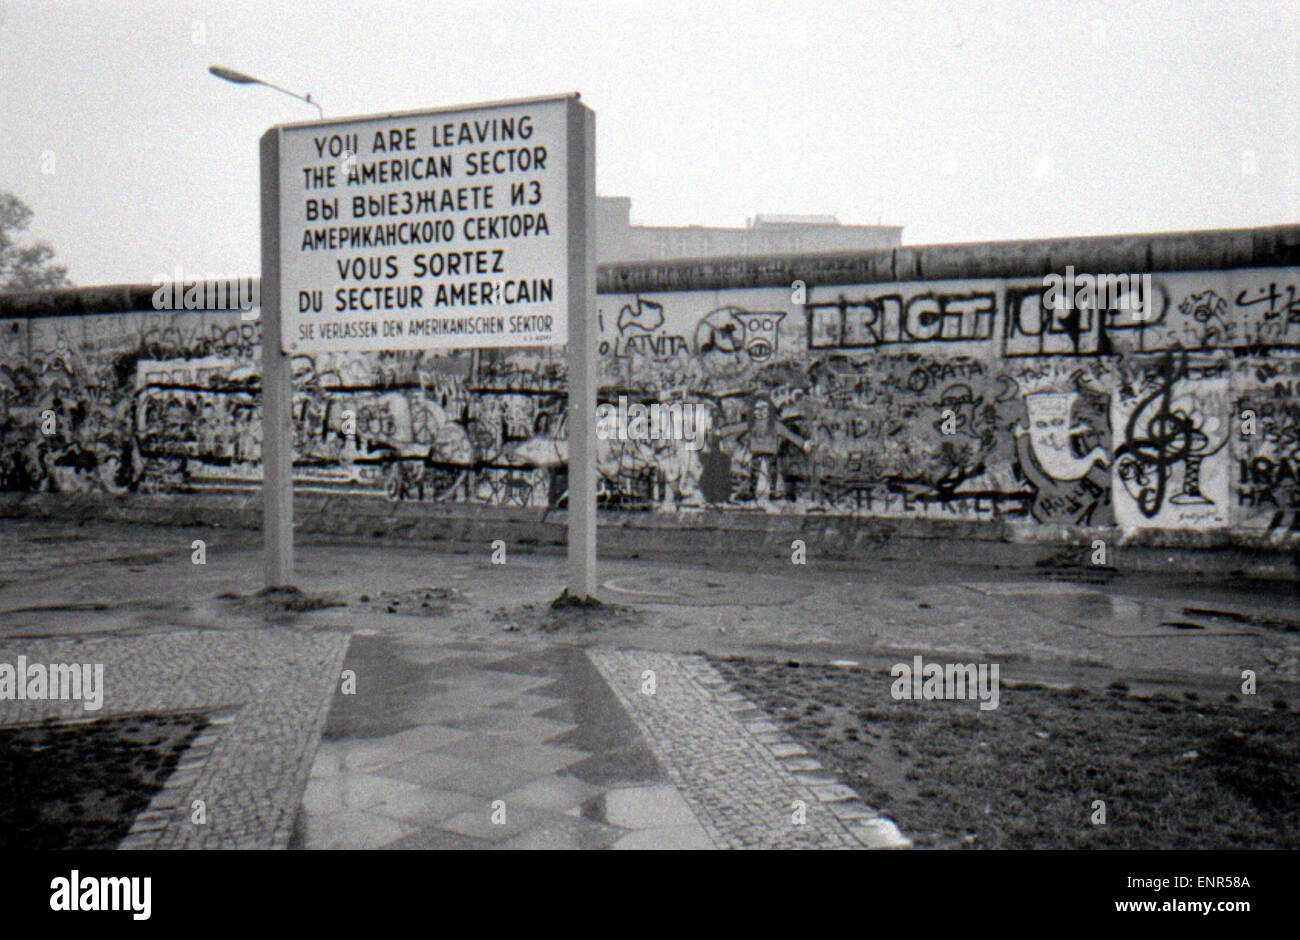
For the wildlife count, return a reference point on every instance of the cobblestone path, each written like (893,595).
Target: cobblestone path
(749,785)
(266,694)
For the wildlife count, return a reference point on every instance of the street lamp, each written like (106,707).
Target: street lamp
(239,78)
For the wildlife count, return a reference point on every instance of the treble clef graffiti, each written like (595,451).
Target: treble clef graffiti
(1167,432)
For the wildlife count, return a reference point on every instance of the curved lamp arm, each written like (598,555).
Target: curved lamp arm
(239,78)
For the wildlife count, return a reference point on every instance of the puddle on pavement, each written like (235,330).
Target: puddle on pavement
(225,612)
(680,588)
(1118,615)
(1244,619)
(92,618)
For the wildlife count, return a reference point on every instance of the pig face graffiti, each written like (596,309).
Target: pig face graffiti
(759,332)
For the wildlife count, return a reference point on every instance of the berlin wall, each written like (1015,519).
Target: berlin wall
(926,383)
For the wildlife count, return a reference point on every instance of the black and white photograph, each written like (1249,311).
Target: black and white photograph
(482,425)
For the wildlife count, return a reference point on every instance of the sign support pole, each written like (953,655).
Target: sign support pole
(300,162)
(583,338)
(277,384)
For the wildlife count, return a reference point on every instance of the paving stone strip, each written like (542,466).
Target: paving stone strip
(267,694)
(165,807)
(741,775)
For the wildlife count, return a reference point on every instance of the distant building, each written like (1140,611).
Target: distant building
(617,239)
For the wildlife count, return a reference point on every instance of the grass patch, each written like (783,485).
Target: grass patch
(1173,774)
(79,785)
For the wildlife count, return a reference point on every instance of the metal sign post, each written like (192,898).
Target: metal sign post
(584,375)
(460,228)
(277,385)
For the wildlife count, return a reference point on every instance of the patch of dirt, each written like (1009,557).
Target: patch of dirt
(1173,774)
(566,614)
(416,602)
(80,785)
(567,601)
(276,605)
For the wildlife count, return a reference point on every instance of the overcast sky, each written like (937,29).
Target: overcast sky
(959,119)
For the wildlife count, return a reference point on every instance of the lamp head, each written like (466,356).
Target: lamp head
(230,75)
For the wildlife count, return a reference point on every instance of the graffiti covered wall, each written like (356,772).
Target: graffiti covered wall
(169,401)
(971,400)
(979,399)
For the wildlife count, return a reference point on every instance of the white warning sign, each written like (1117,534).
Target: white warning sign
(435,230)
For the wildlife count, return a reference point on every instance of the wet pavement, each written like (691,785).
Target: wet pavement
(59,579)
(454,744)
(452,707)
